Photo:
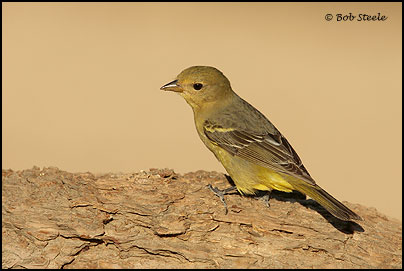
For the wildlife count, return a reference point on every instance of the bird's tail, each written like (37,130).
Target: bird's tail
(330,203)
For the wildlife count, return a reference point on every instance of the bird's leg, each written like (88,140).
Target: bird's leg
(221,193)
(266,198)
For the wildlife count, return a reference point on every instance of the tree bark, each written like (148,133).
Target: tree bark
(160,219)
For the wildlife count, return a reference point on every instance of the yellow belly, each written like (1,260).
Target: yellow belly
(249,177)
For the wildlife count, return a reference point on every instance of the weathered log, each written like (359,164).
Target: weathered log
(160,219)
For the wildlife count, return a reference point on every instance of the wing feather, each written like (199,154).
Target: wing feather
(267,149)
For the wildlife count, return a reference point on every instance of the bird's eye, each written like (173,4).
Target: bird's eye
(197,86)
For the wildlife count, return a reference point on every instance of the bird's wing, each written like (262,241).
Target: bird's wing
(267,148)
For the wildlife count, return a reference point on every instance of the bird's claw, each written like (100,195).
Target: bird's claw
(266,198)
(221,193)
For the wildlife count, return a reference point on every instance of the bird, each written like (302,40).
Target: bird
(254,153)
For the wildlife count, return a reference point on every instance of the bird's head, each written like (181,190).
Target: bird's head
(200,85)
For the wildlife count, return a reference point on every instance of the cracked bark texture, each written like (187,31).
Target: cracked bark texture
(160,219)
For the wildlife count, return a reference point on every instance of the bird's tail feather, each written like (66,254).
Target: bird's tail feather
(330,203)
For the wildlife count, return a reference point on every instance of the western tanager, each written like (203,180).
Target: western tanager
(253,152)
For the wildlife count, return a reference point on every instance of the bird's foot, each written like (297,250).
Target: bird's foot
(221,193)
(266,198)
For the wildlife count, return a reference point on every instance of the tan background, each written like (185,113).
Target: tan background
(81,87)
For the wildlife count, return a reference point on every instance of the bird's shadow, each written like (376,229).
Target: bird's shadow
(347,227)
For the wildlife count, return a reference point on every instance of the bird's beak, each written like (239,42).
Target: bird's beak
(172,86)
